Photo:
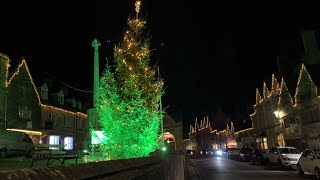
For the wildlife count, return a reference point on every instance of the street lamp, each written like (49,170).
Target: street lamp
(278,114)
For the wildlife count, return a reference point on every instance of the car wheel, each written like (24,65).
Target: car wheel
(269,163)
(317,173)
(300,172)
(280,166)
(3,153)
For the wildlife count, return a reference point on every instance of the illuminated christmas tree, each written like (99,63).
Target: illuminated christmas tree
(129,98)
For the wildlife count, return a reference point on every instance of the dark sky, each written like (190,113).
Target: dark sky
(215,53)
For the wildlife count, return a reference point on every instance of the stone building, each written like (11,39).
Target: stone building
(46,116)
(202,137)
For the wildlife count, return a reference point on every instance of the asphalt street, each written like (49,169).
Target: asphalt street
(219,168)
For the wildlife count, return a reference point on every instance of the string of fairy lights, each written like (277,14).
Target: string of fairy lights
(24,64)
(128,104)
(276,89)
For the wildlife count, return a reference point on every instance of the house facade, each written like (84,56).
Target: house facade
(46,116)
(202,137)
(283,119)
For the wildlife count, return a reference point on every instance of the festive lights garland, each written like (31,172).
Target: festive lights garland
(23,62)
(128,104)
(304,77)
(284,95)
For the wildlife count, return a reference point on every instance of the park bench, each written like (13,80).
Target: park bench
(51,153)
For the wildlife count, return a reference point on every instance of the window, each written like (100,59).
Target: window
(23,91)
(54,140)
(73,103)
(61,98)
(66,122)
(52,118)
(264,143)
(280,139)
(44,92)
(25,112)
(68,143)
(79,105)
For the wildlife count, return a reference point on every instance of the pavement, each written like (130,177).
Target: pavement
(17,163)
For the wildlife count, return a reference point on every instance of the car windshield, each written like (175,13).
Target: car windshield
(288,151)
(317,152)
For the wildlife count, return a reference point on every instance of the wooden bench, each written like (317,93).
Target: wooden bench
(52,153)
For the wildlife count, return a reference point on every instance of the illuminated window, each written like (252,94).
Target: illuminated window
(54,140)
(66,122)
(265,143)
(61,98)
(44,92)
(281,140)
(25,112)
(68,143)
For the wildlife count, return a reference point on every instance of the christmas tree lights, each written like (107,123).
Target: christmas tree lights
(128,104)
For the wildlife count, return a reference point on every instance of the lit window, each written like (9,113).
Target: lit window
(54,140)
(68,143)
(25,112)
(281,140)
(44,92)
(265,143)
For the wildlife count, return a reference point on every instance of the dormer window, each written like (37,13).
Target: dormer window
(79,105)
(61,98)
(44,92)
(74,105)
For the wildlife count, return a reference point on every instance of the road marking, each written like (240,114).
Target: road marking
(202,177)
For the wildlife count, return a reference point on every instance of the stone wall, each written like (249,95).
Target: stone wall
(171,167)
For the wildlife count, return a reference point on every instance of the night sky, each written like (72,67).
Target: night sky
(211,53)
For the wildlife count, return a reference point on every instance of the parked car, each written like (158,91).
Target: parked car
(14,143)
(283,157)
(309,162)
(259,157)
(225,152)
(233,153)
(245,154)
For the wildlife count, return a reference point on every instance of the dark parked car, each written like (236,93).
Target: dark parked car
(245,154)
(259,157)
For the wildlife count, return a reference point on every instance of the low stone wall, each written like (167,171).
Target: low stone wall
(167,168)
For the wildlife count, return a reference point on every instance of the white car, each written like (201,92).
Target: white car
(309,162)
(283,156)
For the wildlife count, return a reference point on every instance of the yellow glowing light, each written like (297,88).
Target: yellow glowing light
(27,131)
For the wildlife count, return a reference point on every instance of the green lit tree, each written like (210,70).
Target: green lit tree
(128,104)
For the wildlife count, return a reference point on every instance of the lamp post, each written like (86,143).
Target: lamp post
(278,114)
